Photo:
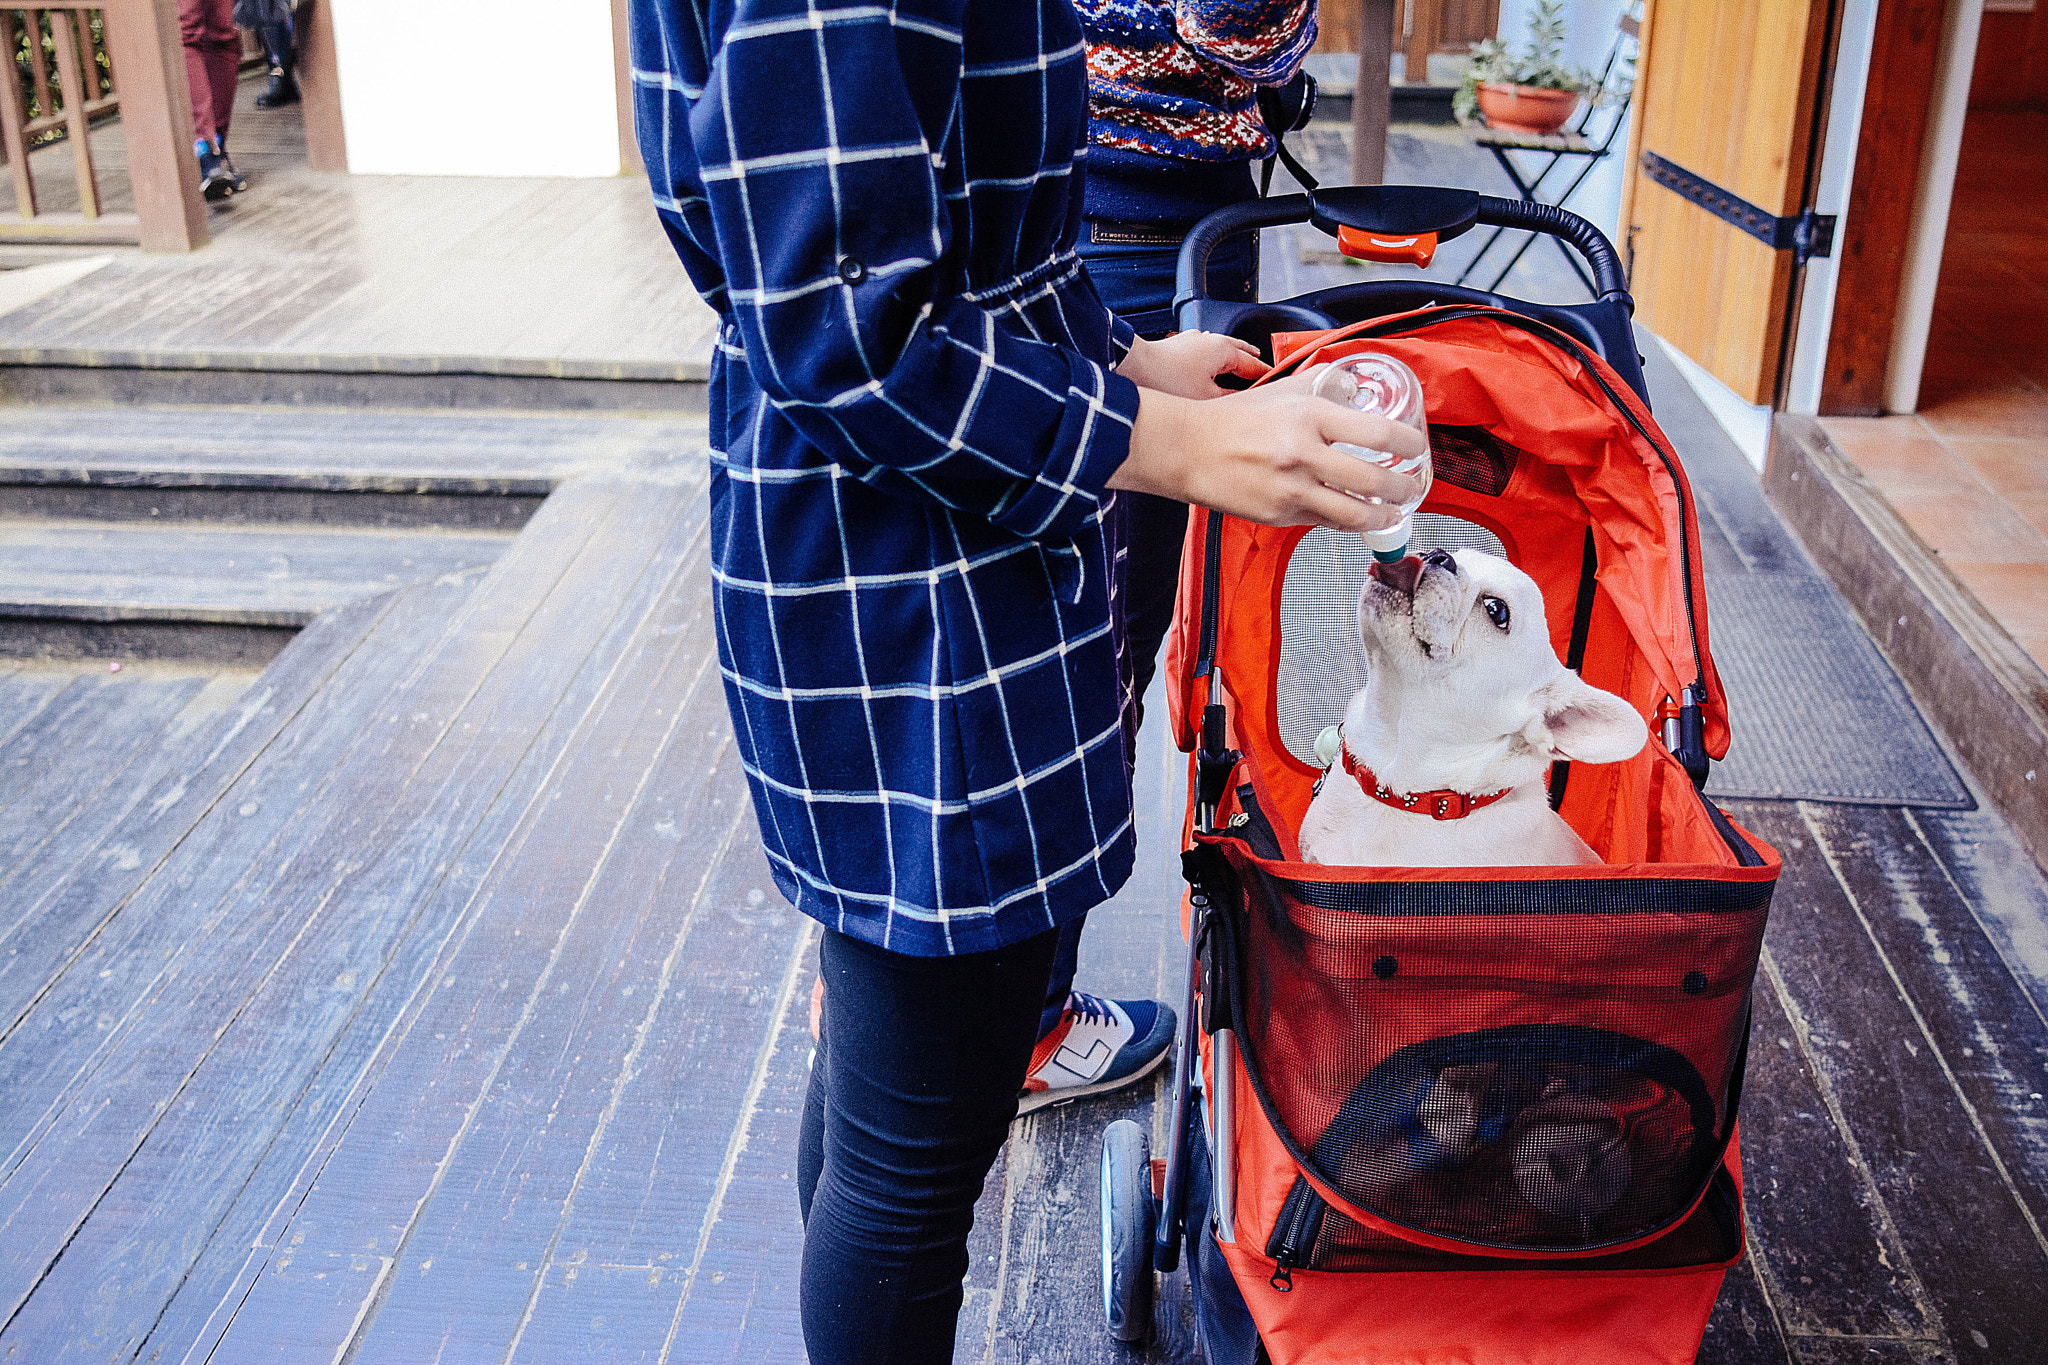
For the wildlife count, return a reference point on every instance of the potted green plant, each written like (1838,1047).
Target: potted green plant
(1530,91)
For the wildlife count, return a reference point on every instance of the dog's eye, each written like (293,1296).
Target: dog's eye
(1496,611)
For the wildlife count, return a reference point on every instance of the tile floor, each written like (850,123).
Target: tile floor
(1969,471)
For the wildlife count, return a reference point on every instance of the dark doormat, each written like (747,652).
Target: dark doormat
(1816,711)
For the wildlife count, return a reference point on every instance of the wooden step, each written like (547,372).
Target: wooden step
(97,571)
(334,450)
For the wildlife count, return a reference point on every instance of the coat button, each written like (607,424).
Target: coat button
(851,270)
(1384,967)
(1695,983)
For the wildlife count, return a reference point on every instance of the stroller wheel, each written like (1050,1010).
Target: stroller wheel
(1127,1214)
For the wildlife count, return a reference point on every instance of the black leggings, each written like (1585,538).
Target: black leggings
(911,1097)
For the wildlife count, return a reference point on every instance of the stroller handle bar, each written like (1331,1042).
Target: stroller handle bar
(1395,210)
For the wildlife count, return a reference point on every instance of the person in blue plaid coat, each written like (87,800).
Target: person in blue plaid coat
(919,410)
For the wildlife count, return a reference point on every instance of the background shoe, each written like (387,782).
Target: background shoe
(283,89)
(234,176)
(217,179)
(1098,1045)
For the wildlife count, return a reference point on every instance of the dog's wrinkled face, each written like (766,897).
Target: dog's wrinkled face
(1464,634)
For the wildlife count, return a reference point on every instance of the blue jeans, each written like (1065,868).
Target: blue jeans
(911,1096)
(277,42)
(1135,280)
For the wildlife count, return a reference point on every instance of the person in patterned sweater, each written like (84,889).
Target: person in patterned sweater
(1173,129)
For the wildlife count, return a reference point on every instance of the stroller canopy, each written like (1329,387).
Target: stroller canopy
(1535,441)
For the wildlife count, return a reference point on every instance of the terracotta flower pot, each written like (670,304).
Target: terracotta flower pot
(1525,109)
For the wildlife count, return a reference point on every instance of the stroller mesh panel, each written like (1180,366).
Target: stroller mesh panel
(1414,1062)
(1709,1236)
(1608,895)
(1321,666)
(1473,458)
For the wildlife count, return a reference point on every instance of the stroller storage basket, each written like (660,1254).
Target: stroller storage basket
(1499,1062)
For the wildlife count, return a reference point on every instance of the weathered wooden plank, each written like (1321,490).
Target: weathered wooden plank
(388,1017)
(713,982)
(43,737)
(139,950)
(2005,889)
(239,872)
(1744,1328)
(271,577)
(1949,1197)
(738,1298)
(1825,1247)
(106,737)
(102,779)
(1989,1034)
(465,1151)
(649,1206)
(1868,1351)
(57,907)
(302,268)
(1049,1278)
(24,693)
(488,691)
(338,451)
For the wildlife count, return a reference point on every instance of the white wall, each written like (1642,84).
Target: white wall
(1589,37)
(1831,195)
(465,87)
(1944,145)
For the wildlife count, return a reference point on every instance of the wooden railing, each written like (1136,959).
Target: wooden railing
(70,67)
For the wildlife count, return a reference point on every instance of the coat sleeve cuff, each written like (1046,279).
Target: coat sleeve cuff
(1121,335)
(1093,441)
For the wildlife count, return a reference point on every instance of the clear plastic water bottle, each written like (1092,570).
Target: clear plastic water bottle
(1371,382)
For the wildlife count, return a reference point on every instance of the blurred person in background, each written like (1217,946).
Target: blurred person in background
(271,20)
(213,64)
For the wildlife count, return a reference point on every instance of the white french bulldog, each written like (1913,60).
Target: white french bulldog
(1446,748)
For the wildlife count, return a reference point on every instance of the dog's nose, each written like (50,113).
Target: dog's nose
(1440,559)
(1402,575)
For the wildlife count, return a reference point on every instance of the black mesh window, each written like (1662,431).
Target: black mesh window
(1473,458)
(1406,1039)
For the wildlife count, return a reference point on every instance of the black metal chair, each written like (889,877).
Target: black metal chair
(1577,142)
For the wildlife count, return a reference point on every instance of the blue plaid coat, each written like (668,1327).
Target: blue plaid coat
(913,415)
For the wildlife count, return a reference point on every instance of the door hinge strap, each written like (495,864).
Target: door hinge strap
(1806,235)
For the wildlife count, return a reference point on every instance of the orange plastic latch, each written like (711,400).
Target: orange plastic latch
(1365,246)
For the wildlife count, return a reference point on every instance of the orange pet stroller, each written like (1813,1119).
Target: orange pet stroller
(1473,1115)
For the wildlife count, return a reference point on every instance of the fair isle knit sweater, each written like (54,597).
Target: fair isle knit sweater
(1176,81)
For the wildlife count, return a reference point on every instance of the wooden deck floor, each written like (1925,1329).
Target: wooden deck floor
(500,276)
(438,1007)
(431,1002)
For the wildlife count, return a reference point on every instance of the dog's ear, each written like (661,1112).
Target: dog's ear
(1584,724)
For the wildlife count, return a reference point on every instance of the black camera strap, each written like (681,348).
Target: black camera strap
(1286,109)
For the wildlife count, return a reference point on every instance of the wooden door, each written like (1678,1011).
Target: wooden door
(1440,25)
(1726,91)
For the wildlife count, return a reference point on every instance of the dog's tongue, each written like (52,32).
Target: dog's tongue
(1402,574)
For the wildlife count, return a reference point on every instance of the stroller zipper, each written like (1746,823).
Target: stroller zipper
(1295,1232)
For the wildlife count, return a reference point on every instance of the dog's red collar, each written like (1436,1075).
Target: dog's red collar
(1437,805)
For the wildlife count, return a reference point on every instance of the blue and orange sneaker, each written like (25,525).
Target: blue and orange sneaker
(1098,1046)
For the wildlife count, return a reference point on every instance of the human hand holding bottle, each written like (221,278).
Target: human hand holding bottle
(1271,455)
